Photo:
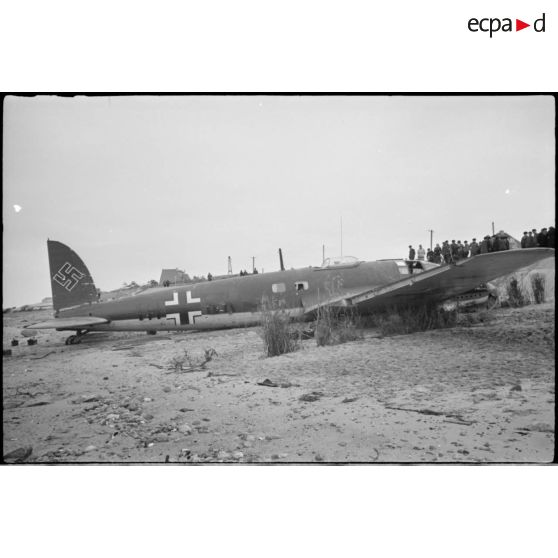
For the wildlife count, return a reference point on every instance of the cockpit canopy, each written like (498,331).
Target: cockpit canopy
(340,261)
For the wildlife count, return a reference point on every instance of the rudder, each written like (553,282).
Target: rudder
(70,279)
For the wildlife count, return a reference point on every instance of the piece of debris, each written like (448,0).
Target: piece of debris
(14,342)
(37,403)
(312,396)
(43,356)
(18,455)
(31,341)
(267,382)
(349,399)
(517,387)
(6,352)
(90,448)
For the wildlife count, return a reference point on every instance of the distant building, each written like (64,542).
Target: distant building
(174,276)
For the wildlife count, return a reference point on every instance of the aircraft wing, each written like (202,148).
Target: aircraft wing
(440,283)
(81,322)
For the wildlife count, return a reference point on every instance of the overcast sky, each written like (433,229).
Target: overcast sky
(137,184)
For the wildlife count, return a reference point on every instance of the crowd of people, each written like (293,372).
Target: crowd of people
(455,251)
(544,239)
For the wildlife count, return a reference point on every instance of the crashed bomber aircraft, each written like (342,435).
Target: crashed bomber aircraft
(237,301)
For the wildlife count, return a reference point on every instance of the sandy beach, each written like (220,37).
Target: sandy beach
(484,393)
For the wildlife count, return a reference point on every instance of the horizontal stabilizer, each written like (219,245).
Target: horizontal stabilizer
(81,322)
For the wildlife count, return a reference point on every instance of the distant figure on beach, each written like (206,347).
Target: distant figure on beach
(534,232)
(474,248)
(420,253)
(524,239)
(446,252)
(255,272)
(430,255)
(486,245)
(542,240)
(466,249)
(531,240)
(209,277)
(454,251)
(551,237)
(411,253)
(437,254)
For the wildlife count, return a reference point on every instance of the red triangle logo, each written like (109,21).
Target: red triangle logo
(519,25)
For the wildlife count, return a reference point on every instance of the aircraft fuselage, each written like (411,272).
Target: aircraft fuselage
(233,301)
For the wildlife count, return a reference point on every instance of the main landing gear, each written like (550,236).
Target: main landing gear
(75,339)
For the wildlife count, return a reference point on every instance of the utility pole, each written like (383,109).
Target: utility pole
(230,266)
(253,263)
(492,228)
(431,233)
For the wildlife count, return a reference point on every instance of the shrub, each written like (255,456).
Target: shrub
(538,284)
(277,332)
(335,326)
(401,320)
(516,295)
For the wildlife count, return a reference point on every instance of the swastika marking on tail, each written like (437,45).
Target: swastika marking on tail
(68,276)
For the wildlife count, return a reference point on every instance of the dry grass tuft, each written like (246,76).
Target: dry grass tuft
(278,333)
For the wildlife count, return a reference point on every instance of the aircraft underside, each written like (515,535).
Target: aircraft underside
(204,322)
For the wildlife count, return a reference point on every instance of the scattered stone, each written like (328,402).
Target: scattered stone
(318,457)
(312,396)
(166,389)
(113,416)
(185,410)
(223,455)
(185,429)
(147,399)
(238,455)
(349,399)
(6,352)
(268,383)
(517,387)
(18,455)
(90,448)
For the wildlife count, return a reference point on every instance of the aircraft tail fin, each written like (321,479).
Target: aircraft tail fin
(70,279)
